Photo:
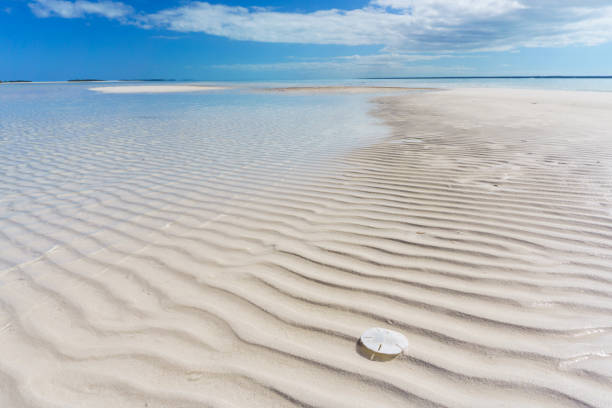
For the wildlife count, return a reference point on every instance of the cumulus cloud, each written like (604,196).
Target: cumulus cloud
(436,9)
(79,8)
(399,26)
(352,27)
(408,25)
(592,28)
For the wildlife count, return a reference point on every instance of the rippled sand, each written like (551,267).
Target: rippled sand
(480,228)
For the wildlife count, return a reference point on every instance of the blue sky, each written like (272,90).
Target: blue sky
(274,39)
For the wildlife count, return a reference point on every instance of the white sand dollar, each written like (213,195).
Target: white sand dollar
(383,342)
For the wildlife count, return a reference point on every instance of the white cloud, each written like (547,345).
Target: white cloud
(436,9)
(353,27)
(374,24)
(593,28)
(403,25)
(167,37)
(399,26)
(79,8)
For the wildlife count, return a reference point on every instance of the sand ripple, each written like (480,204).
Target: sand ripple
(481,229)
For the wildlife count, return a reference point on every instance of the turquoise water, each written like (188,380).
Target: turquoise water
(39,121)
(65,150)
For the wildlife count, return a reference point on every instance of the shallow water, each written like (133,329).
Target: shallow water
(65,147)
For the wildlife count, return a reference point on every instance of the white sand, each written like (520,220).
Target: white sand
(131,89)
(341,89)
(481,229)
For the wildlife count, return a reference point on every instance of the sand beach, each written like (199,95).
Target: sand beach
(479,226)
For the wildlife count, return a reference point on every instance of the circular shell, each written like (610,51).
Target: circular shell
(382,344)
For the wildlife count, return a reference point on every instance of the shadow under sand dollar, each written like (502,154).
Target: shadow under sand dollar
(366,353)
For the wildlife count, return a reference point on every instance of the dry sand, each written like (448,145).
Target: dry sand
(481,229)
(131,89)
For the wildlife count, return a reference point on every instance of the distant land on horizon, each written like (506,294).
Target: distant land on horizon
(86,80)
(94,80)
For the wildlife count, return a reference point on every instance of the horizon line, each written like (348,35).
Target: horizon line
(361,78)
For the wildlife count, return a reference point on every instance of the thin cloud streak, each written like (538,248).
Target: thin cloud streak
(365,62)
(79,8)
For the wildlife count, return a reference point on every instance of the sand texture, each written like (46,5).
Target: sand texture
(135,89)
(481,229)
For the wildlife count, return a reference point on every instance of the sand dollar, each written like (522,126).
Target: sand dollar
(383,343)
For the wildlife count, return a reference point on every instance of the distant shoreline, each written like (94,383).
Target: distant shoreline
(72,81)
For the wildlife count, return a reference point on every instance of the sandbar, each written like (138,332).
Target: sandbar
(343,89)
(133,89)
